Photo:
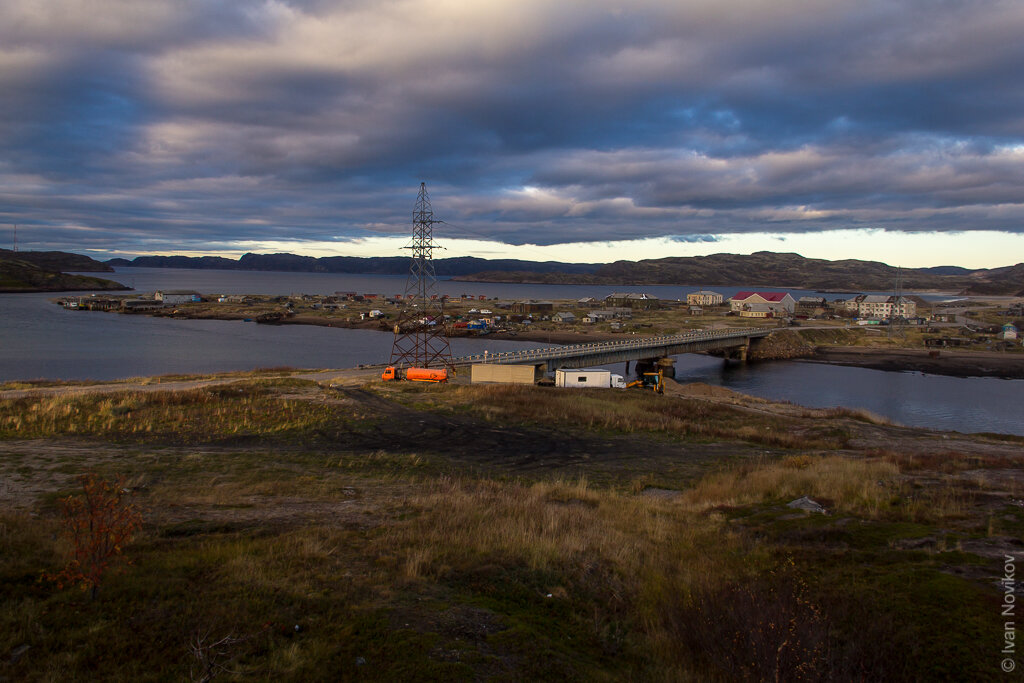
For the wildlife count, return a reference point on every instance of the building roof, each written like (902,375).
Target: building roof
(877,299)
(705,291)
(767,296)
(631,295)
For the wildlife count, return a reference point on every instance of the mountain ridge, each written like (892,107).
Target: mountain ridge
(776,269)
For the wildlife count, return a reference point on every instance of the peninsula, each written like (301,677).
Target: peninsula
(46,271)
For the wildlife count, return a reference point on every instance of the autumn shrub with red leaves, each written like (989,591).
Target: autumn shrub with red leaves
(99,522)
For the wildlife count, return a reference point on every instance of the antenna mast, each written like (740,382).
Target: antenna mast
(420,339)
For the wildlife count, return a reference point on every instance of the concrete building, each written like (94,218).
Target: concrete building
(704,298)
(780,303)
(852,305)
(882,307)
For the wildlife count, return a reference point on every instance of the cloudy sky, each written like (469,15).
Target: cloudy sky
(575,131)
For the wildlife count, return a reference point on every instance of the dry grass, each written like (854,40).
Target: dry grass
(560,526)
(637,411)
(216,413)
(849,485)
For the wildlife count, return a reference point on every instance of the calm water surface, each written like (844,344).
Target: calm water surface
(41,340)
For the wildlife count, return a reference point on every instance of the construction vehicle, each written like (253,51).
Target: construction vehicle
(415,374)
(655,381)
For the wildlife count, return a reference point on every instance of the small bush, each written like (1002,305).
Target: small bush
(98,524)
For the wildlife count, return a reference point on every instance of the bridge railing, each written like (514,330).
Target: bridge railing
(594,348)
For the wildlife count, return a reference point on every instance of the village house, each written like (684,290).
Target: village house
(756,310)
(704,298)
(778,303)
(140,305)
(811,305)
(1009,331)
(564,317)
(632,300)
(605,314)
(533,306)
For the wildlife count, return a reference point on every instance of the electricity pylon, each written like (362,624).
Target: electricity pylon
(420,339)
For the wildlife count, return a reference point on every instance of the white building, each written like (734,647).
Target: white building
(881,307)
(172,297)
(704,298)
(779,302)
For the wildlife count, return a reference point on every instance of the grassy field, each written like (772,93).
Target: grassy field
(414,532)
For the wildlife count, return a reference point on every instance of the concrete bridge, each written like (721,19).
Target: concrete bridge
(644,350)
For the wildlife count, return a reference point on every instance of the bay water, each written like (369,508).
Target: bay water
(39,339)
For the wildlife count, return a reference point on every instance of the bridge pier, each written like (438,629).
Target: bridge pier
(737,353)
(666,364)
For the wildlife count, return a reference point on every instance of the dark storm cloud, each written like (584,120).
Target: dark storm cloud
(152,125)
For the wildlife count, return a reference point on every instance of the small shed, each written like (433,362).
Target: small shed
(1010,331)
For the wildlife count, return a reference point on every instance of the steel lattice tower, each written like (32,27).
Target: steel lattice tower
(420,339)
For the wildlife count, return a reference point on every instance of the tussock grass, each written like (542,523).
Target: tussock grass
(859,414)
(544,526)
(192,416)
(634,412)
(850,485)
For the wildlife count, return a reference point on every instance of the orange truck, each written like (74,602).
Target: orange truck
(415,374)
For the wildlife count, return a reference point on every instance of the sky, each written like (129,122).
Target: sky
(588,131)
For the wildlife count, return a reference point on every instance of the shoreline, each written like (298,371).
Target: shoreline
(954,363)
(949,363)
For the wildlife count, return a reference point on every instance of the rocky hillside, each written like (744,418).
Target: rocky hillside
(782,270)
(384,265)
(17,275)
(58,261)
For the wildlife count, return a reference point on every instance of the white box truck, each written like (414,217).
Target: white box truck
(589,379)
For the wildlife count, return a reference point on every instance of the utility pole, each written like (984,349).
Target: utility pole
(420,338)
(15,237)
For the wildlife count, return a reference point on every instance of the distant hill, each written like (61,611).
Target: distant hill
(764,268)
(58,261)
(946,270)
(772,269)
(17,275)
(383,265)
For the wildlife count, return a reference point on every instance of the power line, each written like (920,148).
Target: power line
(420,338)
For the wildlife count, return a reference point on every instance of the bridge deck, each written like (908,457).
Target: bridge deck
(600,353)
